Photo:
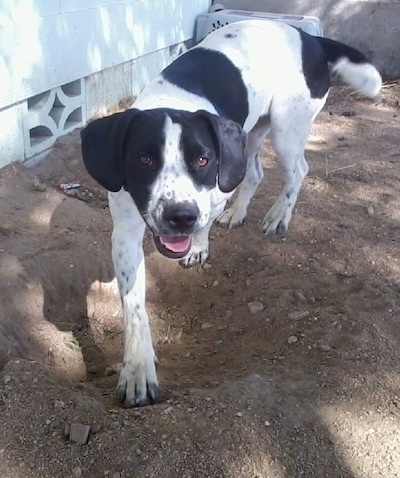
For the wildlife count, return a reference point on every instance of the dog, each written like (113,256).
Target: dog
(172,160)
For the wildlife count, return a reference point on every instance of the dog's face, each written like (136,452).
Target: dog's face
(171,162)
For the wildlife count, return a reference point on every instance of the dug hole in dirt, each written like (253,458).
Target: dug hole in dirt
(280,358)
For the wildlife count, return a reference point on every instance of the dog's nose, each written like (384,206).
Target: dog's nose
(181,217)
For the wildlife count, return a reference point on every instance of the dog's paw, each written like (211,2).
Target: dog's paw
(277,220)
(197,255)
(138,384)
(231,217)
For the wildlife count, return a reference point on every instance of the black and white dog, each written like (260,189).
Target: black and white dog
(193,135)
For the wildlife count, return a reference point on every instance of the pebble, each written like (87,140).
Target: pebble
(371,210)
(255,307)
(117,474)
(206,325)
(267,423)
(238,414)
(207,266)
(299,315)
(292,339)
(324,347)
(215,283)
(109,371)
(77,472)
(167,411)
(38,186)
(79,433)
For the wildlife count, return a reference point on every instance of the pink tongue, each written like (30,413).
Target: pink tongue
(175,243)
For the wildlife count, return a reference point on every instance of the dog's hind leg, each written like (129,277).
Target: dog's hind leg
(235,215)
(137,384)
(291,121)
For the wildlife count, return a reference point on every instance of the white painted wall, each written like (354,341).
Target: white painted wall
(116,46)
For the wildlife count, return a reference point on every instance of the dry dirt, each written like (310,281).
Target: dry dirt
(309,386)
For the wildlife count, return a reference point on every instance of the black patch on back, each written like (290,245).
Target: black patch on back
(211,75)
(315,65)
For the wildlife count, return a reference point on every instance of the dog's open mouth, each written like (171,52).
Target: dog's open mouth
(173,247)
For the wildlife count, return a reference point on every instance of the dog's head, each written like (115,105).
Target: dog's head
(171,162)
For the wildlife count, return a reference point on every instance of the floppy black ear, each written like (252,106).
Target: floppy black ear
(102,148)
(232,158)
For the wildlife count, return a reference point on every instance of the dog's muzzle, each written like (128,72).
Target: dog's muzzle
(179,219)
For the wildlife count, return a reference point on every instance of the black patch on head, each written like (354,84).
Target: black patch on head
(211,75)
(315,66)
(113,149)
(230,35)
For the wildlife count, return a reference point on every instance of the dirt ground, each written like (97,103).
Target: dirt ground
(309,386)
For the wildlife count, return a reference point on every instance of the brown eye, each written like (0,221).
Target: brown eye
(201,162)
(145,160)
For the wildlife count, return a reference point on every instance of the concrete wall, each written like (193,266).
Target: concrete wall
(371,26)
(62,61)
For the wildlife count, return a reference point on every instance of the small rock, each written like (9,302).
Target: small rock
(371,210)
(255,307)
(248,282)
(298,315)
(348,113)
(238,414)
(7,379)
(167,411)
(207,266)
(38,186)
(206,325)
(324,347)
(92,369)
(267,423)
(95,428)
(292,339)
(215,283)
(109,371)
(79,433)
(117,474)
(59,404)
(77,472)
(117,367)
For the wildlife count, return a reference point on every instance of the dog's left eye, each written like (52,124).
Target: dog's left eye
(145,160)
(201,162)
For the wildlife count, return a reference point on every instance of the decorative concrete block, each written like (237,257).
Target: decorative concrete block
(53,114)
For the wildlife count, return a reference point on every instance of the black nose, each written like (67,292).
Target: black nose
(181,217)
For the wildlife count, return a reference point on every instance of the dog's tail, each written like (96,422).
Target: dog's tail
(352,66)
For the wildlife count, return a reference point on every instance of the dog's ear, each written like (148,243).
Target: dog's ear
(102,148)
(231,142)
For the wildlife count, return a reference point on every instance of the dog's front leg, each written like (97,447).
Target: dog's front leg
(137,383)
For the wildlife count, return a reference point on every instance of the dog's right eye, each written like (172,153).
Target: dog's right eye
(145,160)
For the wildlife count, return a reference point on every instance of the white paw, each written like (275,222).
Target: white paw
(231,217)
(277,219)
(138,384)
(197,255)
